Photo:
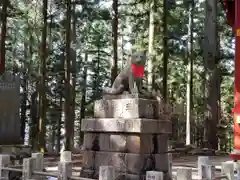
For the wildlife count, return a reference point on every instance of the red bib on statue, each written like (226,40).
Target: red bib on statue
(138,70)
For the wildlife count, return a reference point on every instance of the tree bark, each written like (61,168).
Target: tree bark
(3,36)
(151,45)
(114,68)
(211,62)
(165,51)
(189,73)
(42,90)
(74,60)
(25,94)
(69,121)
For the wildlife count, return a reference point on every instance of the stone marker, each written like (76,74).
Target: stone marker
(107,173)
(208,172)
(29,165)
(154,175)
(228,170)
(202,160)
(65,166)
(4,161)
(184,173)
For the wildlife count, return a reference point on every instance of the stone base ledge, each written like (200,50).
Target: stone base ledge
(126,162)
(150,126)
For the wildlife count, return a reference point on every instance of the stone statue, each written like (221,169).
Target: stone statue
(130,78)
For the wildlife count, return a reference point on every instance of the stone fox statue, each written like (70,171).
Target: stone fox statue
(130,78)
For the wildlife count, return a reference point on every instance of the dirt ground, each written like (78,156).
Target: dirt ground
(191,161)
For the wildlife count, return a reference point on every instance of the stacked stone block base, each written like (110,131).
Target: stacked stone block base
(128,134)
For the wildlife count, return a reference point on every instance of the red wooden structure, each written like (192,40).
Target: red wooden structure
(232,8)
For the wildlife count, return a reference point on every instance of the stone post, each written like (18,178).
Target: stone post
(184,173)
(39,164)
(154,175)
(208,172)
(65,166)
(202,160)
(28,168)
(4,161)
(107,173)
(228,170)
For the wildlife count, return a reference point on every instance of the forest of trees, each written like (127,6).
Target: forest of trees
(65,51)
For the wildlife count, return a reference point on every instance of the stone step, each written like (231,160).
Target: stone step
(147,126)
(125,162)
(130,108)
(141,143)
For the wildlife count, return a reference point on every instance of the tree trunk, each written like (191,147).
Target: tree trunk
(189,73)
(165,50)
(3,35)
(83,100)
(151,45)
(69,121)
(114,68)
(59,123)
(74,61)
(25,94)
(211,61)
(42,90)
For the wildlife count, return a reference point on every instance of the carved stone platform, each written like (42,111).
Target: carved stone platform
(127,133)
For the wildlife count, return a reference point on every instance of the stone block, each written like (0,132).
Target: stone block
(139,163)
(154,175)
(149,126)
(117,143)
(161,162)
(128,162)
(184,173)
(118,160)
(88,159)
(162,143)
(165,127)
(126,108)
(142,143)
(88,140)
(107,173)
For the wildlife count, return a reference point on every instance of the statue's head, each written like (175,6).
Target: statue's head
(139,57)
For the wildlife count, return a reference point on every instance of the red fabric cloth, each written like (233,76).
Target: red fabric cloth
(236,110)
(138,70)
(230,11)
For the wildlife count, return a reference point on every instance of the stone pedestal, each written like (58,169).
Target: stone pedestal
(127,133)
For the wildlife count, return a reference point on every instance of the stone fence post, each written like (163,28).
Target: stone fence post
(208,172)
(202,160)
(184,173)
(65,165)
(107,173)
(228,170)
(39,166)
(29,165)
(154,175)
(4,161)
